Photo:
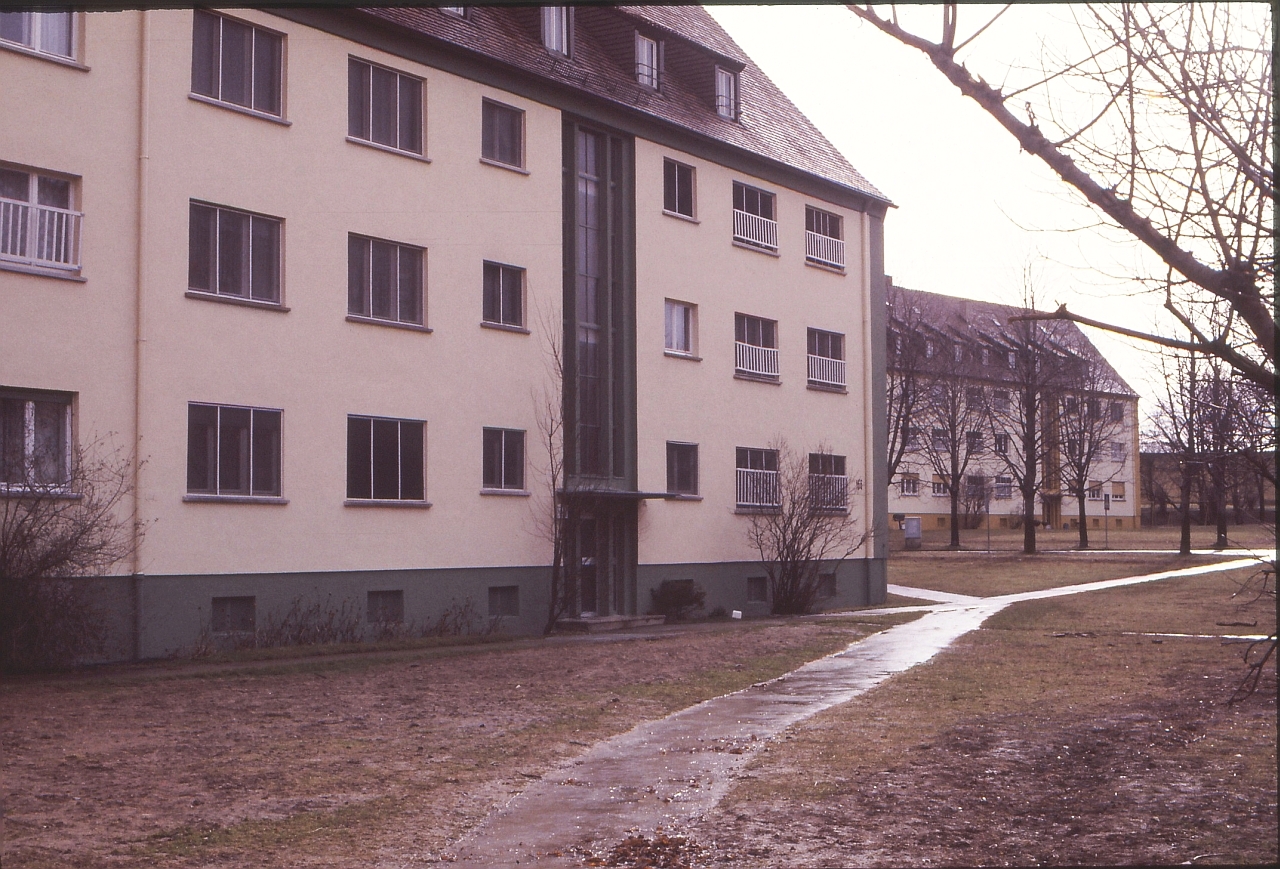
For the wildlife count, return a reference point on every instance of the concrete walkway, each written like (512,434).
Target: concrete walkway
(667,773)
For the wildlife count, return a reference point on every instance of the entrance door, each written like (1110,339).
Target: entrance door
(589,565)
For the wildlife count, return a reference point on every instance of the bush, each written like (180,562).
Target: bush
(677,598)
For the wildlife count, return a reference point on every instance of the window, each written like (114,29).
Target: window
(680,325)
(823,238)
(909,485)
(756,346)
(826,585)
(384,280)
(975,488)
(1002,444)
(385,607)
(939,440)
(35,440)
(45,32)
(1001,399)
(648,54)
(930,349)
(828,484)
(826,358)
(37,226)
(233,450)
(1073,447)
(973,443)
(911,436)
(503,295)
(753,217)
(1117,491)
(232,615)
(940,487)
(973,396)
(1094,408)
(1069,404)
(757,478)
(237,63)
(1012,359)
(385,459)
(726,93)
(682,468)
(557,29)
(502,134)
(460,11)
(1117,411)
(503,459)
(677,188)
(504,600)
(1094,492)
(757,589)
(384,107)
(1003,488)
(1117,451)
(234,253)
(957,353)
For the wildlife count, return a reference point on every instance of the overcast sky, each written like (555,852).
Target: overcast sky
(972,210)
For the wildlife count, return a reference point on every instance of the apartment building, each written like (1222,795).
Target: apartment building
(326,277)
(967,367)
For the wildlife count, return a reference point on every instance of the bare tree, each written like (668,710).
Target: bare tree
(1178,155)
(807,533)
(55,529)
(1088,429)
(908,320)
(953,416)
(1176,425)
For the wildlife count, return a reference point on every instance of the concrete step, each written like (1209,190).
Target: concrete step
(602,624)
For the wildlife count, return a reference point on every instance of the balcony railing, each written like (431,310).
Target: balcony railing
(39,235)
(824,249)
(755,230)
(758,361)
(825,371)
(758,488)
(829,491)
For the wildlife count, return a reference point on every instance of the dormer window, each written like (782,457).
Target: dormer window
(726,93)
(459,11)
(647,61)
(556,29)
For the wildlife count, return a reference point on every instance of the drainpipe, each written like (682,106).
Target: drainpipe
(144,104)
(869,458)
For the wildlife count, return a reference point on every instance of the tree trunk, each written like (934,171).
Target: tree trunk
(955,514)
(1184,542)
(1028,524)
(1084,529)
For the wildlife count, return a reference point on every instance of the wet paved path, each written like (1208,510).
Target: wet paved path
(666,773)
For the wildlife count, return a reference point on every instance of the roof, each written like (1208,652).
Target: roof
(769,125)
(978,322)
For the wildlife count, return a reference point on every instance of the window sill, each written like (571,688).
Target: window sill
(18,48)
(394,324)
(234,499)
(824,387)
(504,327)
(380,502)
(11,491)
(909,494)
(519,170)
(40,271)
(241,110)
(508,493)
(236,300)
(774,379)
(755,511)
(826,267)
(689,218)
(676,354)
(378,146)
(746,245)
(680,496)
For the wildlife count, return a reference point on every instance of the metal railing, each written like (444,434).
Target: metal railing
(826,371)
(758,488)
(40,235)
(829,491)
(824,249)
(754,229)
(760,361)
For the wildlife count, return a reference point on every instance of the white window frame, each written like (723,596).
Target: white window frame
(26,402)
(1117,491)
(557,30)
(366,122)
(826,369)
(215,290)
(828,481)
(757,487)
(35,25)
(909,485)
(1000,444)
(648,61)
(490,110)
(38,236)
(823,238)
(680,320)
(505,439)
(251,491)
(1093,492)
(674,168)
(939,486)
(1117,451)
(674,450)
(752,228)
(218,96)
(1002,488)
(726,93)
(752,359)
(495,310)
(366,312)
(401,498)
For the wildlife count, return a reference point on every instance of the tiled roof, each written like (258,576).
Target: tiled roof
(770,125)
(982,322)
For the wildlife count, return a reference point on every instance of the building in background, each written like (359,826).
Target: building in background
(323,272)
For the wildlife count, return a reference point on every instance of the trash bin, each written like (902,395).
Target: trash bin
(912,532)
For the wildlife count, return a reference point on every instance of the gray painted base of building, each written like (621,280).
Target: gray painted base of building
(149,617)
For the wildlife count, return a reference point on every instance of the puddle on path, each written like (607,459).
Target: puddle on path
(666,773)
